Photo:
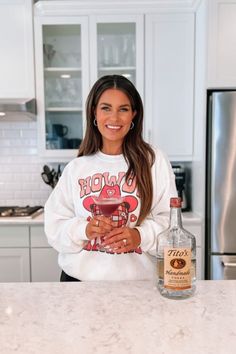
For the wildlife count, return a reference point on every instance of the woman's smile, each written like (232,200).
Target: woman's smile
(113,127)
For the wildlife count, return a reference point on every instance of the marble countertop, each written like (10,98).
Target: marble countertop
(188,218)
(116,318)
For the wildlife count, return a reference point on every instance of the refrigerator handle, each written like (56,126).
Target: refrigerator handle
(228,264)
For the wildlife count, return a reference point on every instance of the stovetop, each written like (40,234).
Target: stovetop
(16,211)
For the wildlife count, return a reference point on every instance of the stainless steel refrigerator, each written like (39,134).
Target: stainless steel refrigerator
(221,186)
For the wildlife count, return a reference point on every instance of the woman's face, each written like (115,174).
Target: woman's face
(114,116)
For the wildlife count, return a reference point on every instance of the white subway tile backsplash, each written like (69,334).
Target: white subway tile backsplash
(6,194)
(29,133)
(23,194)
(11,133)
(20,166)
(6,177)
(40,194)
(5,143)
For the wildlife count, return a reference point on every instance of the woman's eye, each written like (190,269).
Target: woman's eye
(124,109)
(105,109)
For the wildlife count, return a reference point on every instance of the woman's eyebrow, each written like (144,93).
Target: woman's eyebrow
(122,105)
(107,104)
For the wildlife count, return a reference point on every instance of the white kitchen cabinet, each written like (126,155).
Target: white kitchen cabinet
(16,43)
(71,53)
(44,263)
(117,47)
(25,255)
(62,81)
(161,65)
(14,265)
(169,90)
(221,44)
(195,228)
(14,254)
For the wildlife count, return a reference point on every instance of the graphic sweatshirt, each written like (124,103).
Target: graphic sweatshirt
(70,207)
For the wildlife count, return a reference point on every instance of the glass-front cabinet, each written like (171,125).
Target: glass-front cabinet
(71,53)
(117,46)
(62,81)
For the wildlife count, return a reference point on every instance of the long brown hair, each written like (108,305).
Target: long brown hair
(137,153)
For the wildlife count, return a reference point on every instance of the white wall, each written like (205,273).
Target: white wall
(20,167)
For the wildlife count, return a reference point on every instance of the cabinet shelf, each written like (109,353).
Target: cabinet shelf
(117,68)
(61,69)
(58,72)
(63,109)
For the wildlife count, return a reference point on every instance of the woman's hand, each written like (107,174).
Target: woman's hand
(98,226)
(122,239)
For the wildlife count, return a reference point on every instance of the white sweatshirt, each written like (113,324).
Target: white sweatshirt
(70,206)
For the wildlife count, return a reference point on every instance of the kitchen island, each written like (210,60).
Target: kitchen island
(116,317)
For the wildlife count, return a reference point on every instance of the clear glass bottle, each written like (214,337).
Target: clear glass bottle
(176,257)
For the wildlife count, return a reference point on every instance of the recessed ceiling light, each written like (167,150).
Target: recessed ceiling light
(2,114)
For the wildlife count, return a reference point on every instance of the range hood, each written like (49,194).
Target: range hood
(17,109)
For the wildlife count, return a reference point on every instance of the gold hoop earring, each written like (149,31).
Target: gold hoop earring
(131,125)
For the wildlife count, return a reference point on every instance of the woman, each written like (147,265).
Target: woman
(113,161)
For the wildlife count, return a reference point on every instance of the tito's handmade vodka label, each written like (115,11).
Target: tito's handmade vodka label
(177,268)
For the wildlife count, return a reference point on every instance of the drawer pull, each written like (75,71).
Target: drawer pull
(228,264)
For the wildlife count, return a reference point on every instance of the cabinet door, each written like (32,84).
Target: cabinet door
(14,265)
(169,83)
(62,79)
(38,237)
(14,236)
(44,265)
(196,230)
(117,47)
(222,43)
(16,43)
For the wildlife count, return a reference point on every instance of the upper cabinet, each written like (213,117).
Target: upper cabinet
(62,81)
(221,44)
(117,47)
(72,52)
(169,83)
(151,43)
(16,42)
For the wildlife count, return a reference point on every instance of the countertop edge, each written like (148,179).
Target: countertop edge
(187,217)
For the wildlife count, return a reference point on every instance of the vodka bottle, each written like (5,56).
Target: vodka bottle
(176,257)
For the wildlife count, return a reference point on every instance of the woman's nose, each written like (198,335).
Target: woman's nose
(114,114)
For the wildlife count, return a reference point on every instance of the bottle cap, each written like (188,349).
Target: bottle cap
(175,202)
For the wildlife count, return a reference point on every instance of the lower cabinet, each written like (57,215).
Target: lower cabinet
(14,265)
(44,265)
(196,230)
(14,253)
(26,256)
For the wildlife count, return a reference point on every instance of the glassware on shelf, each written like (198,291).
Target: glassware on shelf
(48,53)
(128,50)
(63,92)
(116,44)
